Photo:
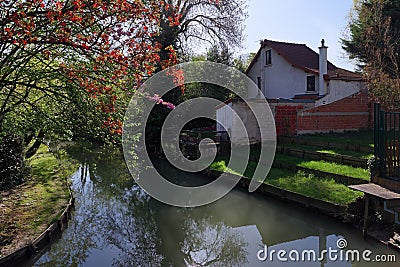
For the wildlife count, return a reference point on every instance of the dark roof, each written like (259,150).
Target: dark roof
(308,96)
(303,57)
(342,74)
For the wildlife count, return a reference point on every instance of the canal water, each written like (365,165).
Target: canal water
(115,223)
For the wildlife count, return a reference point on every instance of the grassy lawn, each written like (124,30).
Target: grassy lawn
(321,165)
(30,208)
(308,185)
(365,137)
(331,151)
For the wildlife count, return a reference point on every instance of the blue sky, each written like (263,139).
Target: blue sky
(300,21)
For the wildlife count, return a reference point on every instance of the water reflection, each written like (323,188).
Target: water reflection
(212,243)
(115,223)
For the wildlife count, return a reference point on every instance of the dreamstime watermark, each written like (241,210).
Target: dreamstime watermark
(340,253)
(262,119)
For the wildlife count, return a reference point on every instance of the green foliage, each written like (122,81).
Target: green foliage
(375,29)
(249,59)
(218,54)
(39,202)
(62,77)
(373,167)
(12,165)
(375,42)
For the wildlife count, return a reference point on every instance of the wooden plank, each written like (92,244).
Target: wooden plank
(376,190)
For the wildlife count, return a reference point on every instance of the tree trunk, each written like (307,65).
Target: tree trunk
(28,137)
(34,148)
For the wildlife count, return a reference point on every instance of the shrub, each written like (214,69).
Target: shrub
(373,167)
(12,165)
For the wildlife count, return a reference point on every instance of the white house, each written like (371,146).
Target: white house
(306,92)
(290,71)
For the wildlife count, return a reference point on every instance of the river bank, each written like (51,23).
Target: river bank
(30,208)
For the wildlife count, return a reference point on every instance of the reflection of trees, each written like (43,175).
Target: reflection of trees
(106,167)
(130,226)
(80,236)
(110,210)
(113,214)
(209,243)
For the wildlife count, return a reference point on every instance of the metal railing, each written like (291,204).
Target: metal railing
(386,142)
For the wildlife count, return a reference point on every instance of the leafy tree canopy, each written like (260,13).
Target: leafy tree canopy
(374,34)
(62,56)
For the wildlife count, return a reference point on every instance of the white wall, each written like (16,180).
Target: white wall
(224,116)
(255,71)
(246,117)
(339,89)
(280,79)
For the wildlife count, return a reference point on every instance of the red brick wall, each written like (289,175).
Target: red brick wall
(331,123)
(285,119)
(350,113)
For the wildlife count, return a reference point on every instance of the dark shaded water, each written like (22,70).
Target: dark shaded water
(116,224)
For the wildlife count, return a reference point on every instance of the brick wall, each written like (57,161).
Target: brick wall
(351,113)
(285,119)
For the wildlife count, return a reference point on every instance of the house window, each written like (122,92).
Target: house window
(259,82)
(310,83)
(268,60)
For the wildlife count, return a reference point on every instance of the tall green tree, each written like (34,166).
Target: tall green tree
(375,29)
(218,54)
(374,40)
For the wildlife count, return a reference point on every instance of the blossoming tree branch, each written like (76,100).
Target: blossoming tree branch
(48,47)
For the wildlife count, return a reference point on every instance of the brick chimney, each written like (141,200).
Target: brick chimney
(323,67)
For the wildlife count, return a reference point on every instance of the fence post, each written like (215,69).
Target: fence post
(382,142)
(377,108)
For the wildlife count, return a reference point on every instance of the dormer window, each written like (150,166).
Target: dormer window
(310,84)
(268,60)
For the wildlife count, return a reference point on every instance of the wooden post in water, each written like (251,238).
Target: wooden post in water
(365,216)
